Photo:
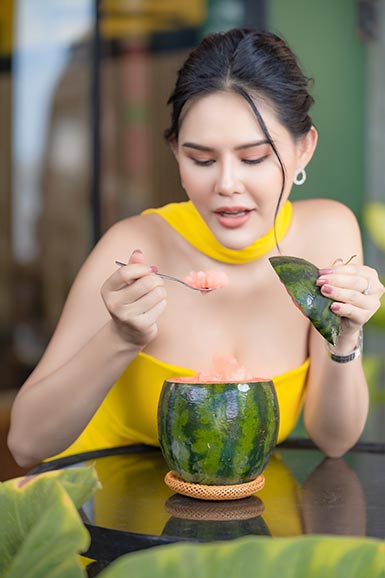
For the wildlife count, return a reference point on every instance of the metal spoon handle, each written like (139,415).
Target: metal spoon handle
(169,278)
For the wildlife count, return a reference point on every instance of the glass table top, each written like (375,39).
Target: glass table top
(304,493)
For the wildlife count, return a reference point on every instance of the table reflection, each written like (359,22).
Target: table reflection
(135,499)
(333,500)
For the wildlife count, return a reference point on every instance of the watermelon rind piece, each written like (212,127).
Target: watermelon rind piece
(299,278)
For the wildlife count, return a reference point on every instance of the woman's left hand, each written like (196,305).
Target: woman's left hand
(356,291)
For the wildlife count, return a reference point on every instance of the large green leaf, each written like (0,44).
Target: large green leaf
(299,557)
(80,483)
(41,533)
(374,219)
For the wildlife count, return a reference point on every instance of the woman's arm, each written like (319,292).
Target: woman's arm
(103,326)
(336,404)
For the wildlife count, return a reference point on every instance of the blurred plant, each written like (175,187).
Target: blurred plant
(374,221)
(374,364)
(41,533)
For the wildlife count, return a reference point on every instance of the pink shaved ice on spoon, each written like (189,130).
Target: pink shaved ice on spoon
(207,279)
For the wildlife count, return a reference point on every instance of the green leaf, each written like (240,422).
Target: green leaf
(80,483)
(374,220)
(299,557)
(41,533)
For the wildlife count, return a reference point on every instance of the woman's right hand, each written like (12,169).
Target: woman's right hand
(135,298)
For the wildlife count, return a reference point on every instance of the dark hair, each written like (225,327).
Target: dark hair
(252,63)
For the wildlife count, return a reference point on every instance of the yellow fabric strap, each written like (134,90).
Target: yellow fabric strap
(185,219)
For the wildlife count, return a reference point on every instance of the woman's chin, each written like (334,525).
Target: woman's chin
(236,239)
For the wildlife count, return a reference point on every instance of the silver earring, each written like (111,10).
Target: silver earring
(300,177)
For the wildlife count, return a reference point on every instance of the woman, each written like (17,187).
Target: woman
(241,135)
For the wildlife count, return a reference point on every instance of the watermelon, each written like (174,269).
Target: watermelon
(299,278)
(217,433)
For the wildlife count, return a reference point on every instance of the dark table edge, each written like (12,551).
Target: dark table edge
(291,443)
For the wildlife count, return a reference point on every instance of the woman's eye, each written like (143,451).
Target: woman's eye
(201,163)
(254,161)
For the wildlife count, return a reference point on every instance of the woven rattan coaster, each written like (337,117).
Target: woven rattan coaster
(202,492)
(189,509)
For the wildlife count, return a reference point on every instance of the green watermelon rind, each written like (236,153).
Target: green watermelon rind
(299,278)
(218,433)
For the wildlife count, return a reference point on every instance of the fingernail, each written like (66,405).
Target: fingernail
(137,251)
(321,281)
(325,271)
(153,268)
(326,289)
(335,307)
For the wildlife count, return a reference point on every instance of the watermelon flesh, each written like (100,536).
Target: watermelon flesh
(207,279)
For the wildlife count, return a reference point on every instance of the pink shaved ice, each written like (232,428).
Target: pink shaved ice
(207,279)
(224,368)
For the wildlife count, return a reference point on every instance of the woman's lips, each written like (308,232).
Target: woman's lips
(233,217)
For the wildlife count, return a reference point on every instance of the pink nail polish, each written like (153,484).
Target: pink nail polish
(153,268)
(335,307)
(327,289)
(137,251)
(321,281)
(325,271)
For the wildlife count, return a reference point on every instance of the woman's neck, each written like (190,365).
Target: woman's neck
(185,219)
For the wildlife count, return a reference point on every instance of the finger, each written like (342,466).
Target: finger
(146,286)
(354,282)
(136,256)
(150,314)
(347,295)
(136,312)
(351,312)
(362,270)
(129,294)
(126,275)
(364,279)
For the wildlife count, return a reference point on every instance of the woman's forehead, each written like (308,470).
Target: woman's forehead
(228,112)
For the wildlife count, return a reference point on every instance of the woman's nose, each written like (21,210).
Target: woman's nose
(228,180)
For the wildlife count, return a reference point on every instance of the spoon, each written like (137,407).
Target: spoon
(169,278)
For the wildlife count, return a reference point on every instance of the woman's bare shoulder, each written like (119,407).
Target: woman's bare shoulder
(321,210)
(138,232)
(329,229)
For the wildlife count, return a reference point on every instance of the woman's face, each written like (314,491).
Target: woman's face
(229,170)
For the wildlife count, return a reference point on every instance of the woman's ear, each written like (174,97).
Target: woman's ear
(307,146)
(173,142)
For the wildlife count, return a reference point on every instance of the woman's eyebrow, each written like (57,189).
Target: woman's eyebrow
(199,147)
(252,144)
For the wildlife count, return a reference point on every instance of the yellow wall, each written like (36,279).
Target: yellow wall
(120,18)
(6,27)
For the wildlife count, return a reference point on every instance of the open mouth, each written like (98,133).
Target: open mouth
(233,212)
(232,217)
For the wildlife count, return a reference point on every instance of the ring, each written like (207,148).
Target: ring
(366,291)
